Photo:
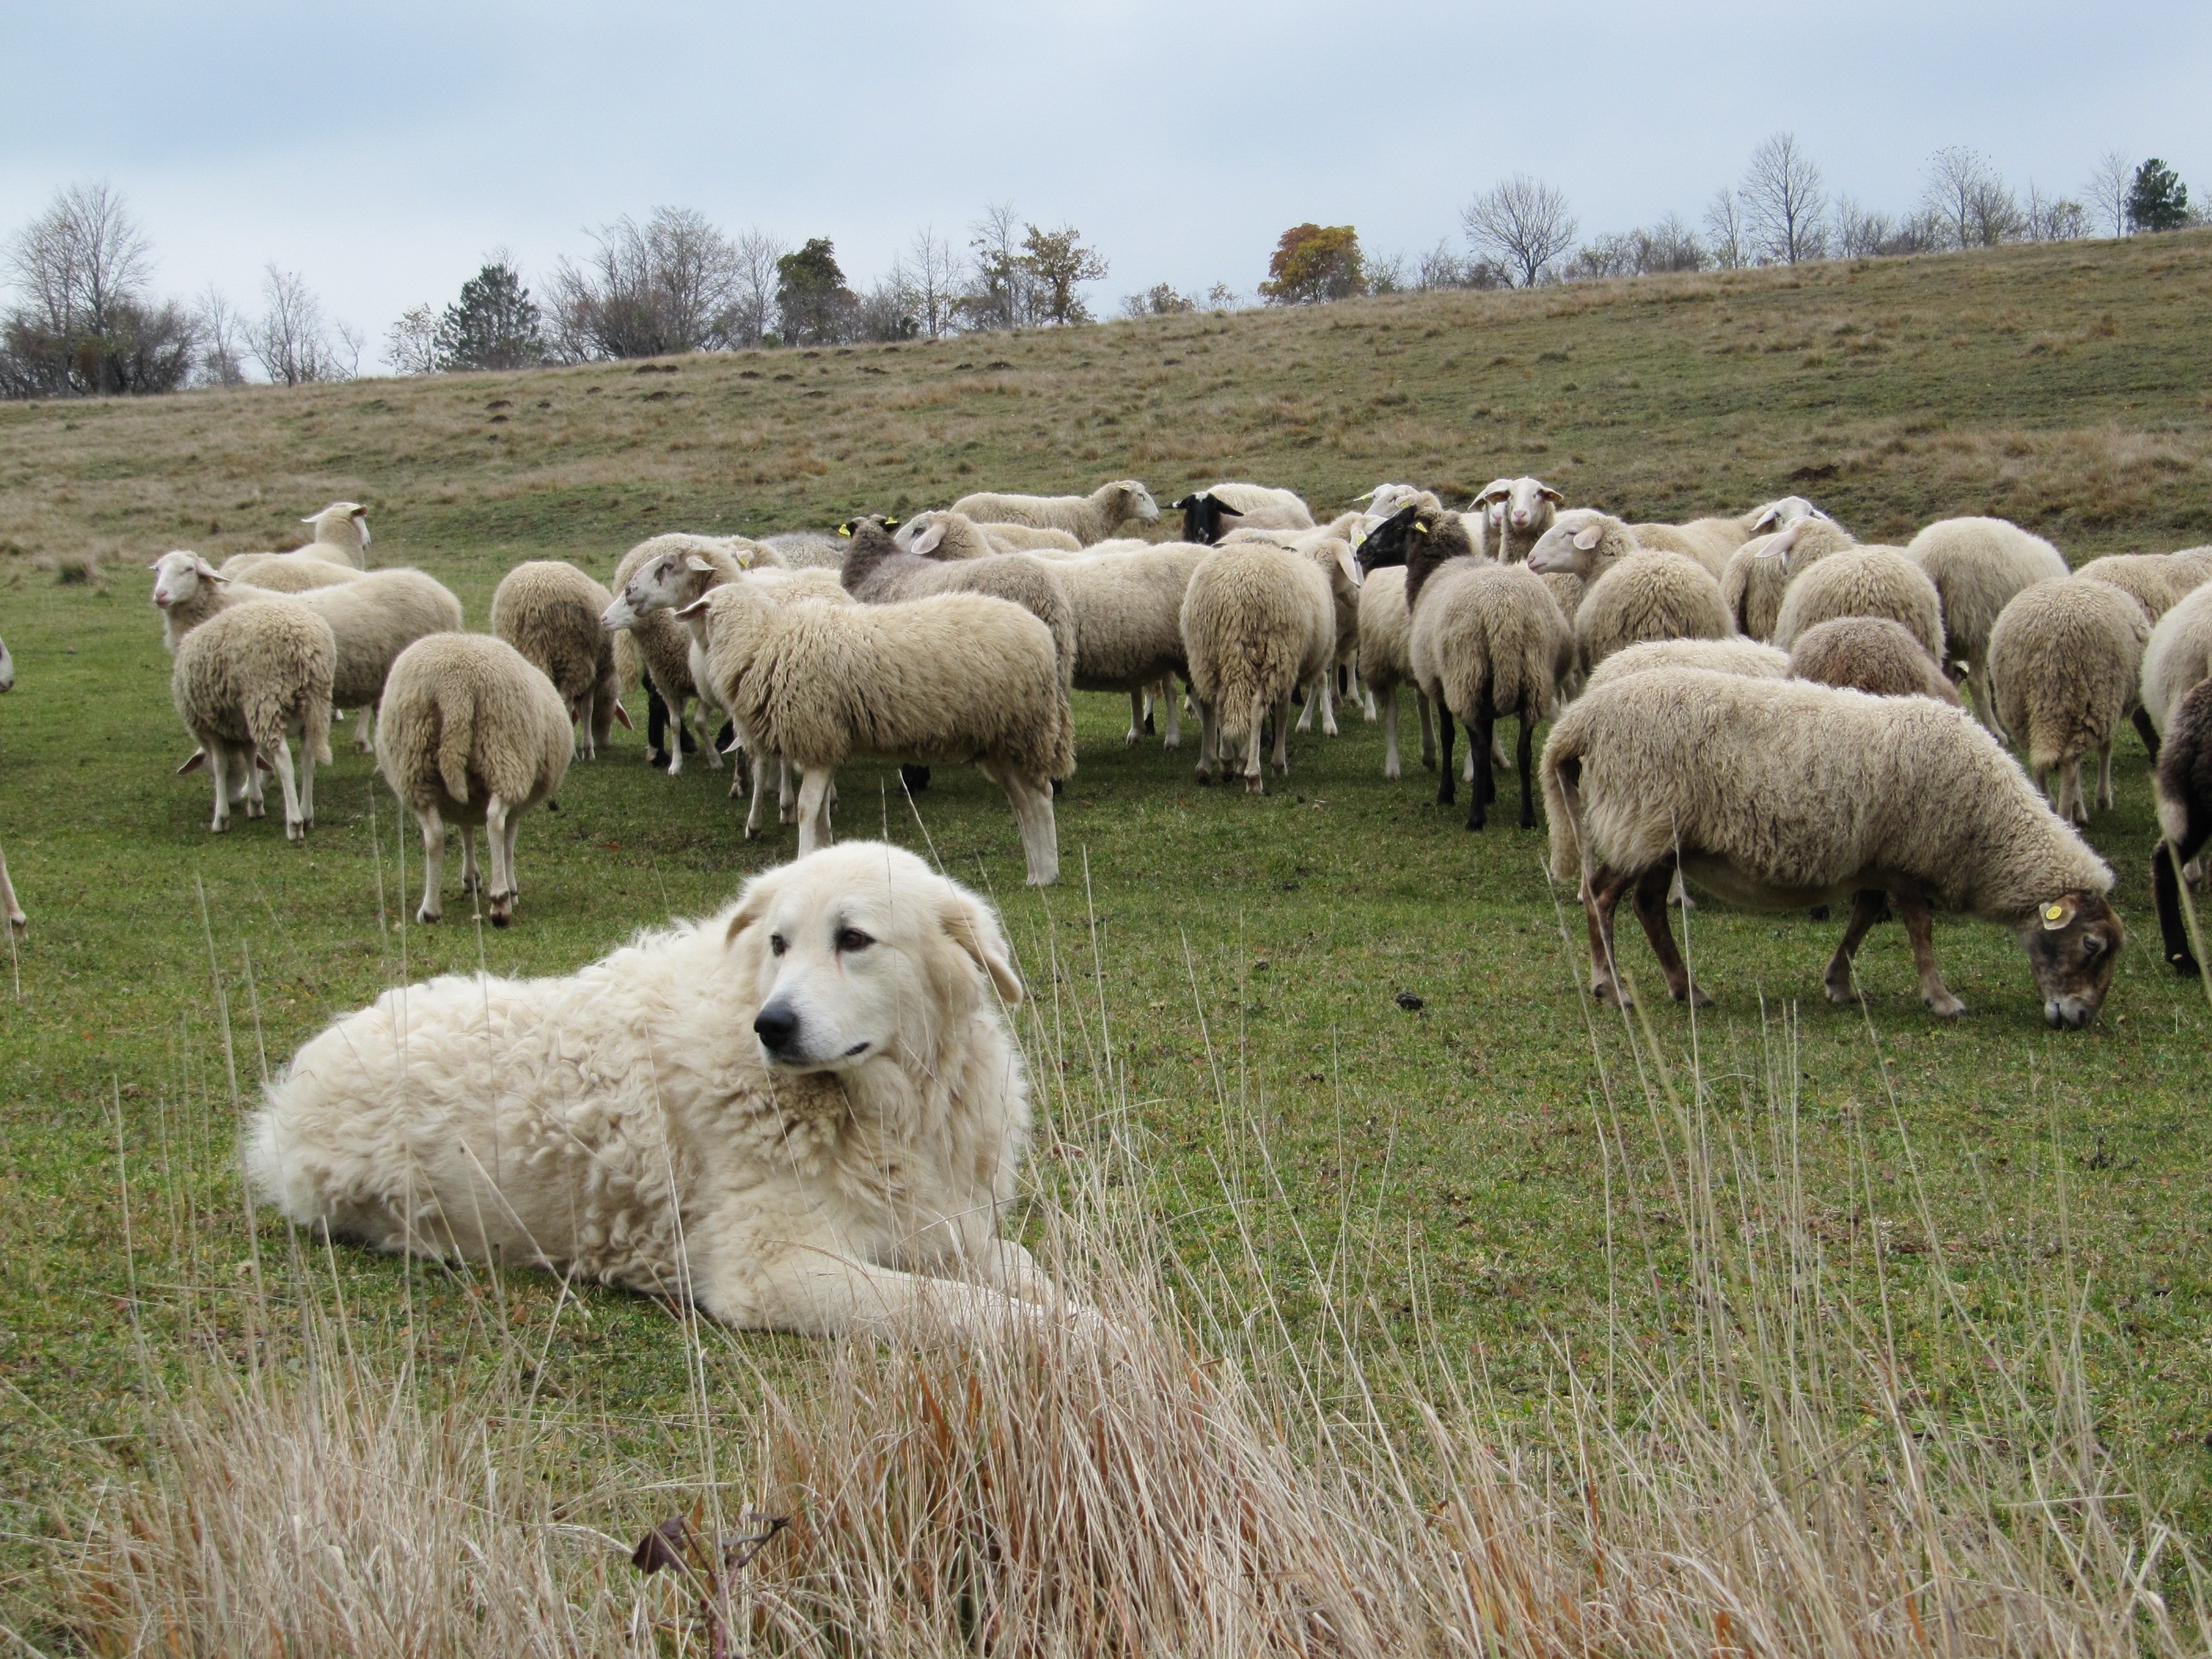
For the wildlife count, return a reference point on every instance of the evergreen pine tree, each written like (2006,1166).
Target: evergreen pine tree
(810,294)
(2158,200)
(494,324)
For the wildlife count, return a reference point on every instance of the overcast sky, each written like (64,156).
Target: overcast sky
(381,148)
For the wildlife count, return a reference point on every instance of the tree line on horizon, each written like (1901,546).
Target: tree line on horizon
(82,319)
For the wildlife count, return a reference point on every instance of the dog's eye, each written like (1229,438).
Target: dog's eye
(776,947)
(852,938)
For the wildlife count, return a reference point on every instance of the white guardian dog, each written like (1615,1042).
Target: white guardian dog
(802,1114)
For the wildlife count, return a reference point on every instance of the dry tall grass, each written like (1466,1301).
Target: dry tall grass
(1750,1466)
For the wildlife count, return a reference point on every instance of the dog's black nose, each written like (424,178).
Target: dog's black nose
(775,1025)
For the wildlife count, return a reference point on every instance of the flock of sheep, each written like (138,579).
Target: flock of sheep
(1761,702)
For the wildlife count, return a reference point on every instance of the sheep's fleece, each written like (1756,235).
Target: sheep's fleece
(804,1112)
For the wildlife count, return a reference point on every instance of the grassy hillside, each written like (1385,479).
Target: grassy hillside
(1219,977)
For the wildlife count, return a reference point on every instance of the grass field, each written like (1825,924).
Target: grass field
(1218,979)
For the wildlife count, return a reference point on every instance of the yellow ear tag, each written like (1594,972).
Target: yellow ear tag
(2054,915)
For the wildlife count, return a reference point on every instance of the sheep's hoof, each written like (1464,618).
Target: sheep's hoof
(220,827)
(1608,991)
(426,915)
(19,924)
(1206,780)
(1527,820)
(1391,772)
(1255,785)
(1430,761)
(1129,739)
(1173,740)
(296,834)
(472,883)
(1841,992)
(2185,964)
(1943,1005)
(254,809)
(502,919)
(1697,999)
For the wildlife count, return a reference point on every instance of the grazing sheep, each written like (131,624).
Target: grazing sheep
(1733,655)
(473,733)
(2159,581)
(549,612)
(1863,582)
(1089,518)
(2184,818)
(1713,542)
(655,644)
(1780,795)
(1525,510)
(1759,571)
(2177,656)
(1487,640)
(1128,625)
(1652,596)
(374,619)
(1386,658)
(1029,538)
(1253,506)
(877,571)
(804,550)
(1978,565)
(1871,654)
(244,681)
(287,573)
(1258,621)
(957,678)
(2065,662)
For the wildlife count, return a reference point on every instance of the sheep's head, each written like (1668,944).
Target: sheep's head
(178,576)
(1385,543)
(2072,944)
(943,535)
(1525,504)
(1778,547)
(345,523)
(1780,514)
(662,582)
(1573,545)
(1136,501)
(1202,514)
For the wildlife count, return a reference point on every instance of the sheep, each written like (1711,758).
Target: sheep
(244,681)
(341,533)
(659,648)
(2184,818)
(804,550)
(1759,570)
(1652,596)
(1486,640)
(1031,539)
(1863,581)
(1978,565)
(2065,664)
(958,676)
(1331,547)
(549,612)
(1527,509)
(1258,621)
(1089,518)
(1386,498)
(877,571)
(1581,542)
(1255,507)
(1713,542)
(374,619)
(1386,660)
(1128,626)
(1871,654)
(287,573)
(1733,655)
(473,733)
(2159,581)
(1779,794)
(2179,655)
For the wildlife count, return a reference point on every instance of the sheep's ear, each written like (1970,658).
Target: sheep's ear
(1189,502)
(208,571)
(621,716)
(846,529)
(1765,518)
(696,608)
(930,539)
(1552,496)
(199,760)
(311,518)
(1490,497)
(704,566)
(1368,495)
(976,930)
(1589,536)
(1347,561)
(744,555)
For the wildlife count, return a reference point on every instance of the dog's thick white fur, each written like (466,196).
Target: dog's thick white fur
(803,1113)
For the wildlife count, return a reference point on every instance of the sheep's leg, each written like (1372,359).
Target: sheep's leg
(813,810)
(1173,738)
(1283,737)
(1866,910)
(471,878)
(1479,731)
(1391,734)
(1255,782)
(501,894)
(1524,755)
(218,766)
(296,827)
(365,739)
(656,724)
(2080,802)
(786,793)
(1919,918)
(1651,910)
(1136,716)
(1209,739)
(1030,796)
(1447,780)
(1328,696)
(757,811)
(2146,732)
(702,716)
(434,863)
(16,919)
(1314,695)
(1600,897)
(1428,729)
(2105,799)
(513,883)
(2166,888)
(1986,702)
(307,784)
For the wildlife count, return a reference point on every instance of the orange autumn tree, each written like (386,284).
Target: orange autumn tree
(1313,263)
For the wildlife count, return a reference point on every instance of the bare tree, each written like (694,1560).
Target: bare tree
(934,271)
(1724,231)
(1000,294)
(1524,223)
(2108,189)
(1964,192)
(410,345)
(1861,233)
(84,324)
(674,283)
(2053,218)
(1784,202)
(752,312)
(221,342)
(291,339)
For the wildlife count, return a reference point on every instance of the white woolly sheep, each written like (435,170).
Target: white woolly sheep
(374,619)
(473,733)
(1030,538)
(1480,523)
(2065,662)
(247,679)
(1713,542)
(804,549)
(1977,566)
(655,644)
(1526,509)
(1128,625)
(550,612)
(1386,659)
(1863,582)
(2159,581)
(287,573)
(1871,654)
(1089,518)
(1758,572)
(1733,655)
(1331,547)
(879,571)
(2177,656)
(1652,596)
(958,678)
(1209,514)
(1781,795)
(1258,621)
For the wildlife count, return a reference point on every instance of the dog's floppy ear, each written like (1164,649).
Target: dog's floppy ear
(752,905)
(971,926)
